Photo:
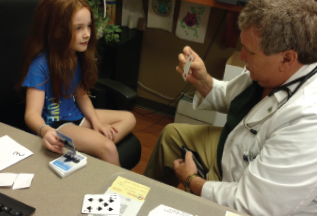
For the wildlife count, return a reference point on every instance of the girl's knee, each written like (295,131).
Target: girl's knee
(129,118)
(108,148)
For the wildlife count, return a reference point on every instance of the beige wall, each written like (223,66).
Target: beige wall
(160,50)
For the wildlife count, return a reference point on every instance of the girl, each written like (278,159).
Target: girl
(58,71)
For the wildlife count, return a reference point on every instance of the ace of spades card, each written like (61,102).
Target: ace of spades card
(105,204)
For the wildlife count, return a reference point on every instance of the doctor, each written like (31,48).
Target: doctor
(264,160)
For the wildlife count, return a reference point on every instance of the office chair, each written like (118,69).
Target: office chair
(110,94)
(16,17)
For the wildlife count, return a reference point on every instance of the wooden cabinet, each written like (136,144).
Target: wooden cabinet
(121,61)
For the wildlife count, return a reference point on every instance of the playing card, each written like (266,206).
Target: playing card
(68,142)
(105,204)
(189,61)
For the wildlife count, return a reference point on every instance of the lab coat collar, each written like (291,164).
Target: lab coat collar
(304,70)
(270,104)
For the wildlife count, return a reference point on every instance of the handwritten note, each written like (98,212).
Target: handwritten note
(11,152)
(130,188)
(231,214)
(163,210)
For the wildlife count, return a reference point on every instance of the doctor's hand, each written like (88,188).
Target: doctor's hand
(50,141)
(185,168)
(197,71)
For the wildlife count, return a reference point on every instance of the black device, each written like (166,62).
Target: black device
(10,206)
(201,169)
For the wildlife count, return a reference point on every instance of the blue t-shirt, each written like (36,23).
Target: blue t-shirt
(39,77)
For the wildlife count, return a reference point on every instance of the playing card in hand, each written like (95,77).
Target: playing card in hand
(105,204)
(68,142)
(189,61)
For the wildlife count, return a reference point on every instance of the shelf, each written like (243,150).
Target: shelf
(214,3)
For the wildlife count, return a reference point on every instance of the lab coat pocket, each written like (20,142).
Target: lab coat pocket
(250,151)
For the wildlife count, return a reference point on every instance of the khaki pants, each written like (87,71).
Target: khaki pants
(199,138)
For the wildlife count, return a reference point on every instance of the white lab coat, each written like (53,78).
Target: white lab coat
(282,178)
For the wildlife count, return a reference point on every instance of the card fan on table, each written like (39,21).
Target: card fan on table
(102,204)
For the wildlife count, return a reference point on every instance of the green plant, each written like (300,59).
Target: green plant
(101,23)
(111,31)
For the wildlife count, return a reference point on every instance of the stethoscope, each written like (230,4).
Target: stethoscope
(285,88)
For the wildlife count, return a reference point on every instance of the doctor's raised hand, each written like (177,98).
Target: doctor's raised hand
(197,74)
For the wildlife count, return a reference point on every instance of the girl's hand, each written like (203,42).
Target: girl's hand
(50,141)
(108,131)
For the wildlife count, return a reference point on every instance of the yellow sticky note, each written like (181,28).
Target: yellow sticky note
(231,214)
(130,188)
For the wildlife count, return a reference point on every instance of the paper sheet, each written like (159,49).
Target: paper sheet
(163,210)
(231,214)
(130,189)
(23,181)
(132,9)
(7,179)
(11,152)
(192,21)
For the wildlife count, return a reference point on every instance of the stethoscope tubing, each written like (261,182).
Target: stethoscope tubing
(285,88)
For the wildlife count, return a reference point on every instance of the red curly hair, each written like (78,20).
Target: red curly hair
(52,32)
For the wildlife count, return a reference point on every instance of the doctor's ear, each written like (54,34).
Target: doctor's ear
(289,58)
